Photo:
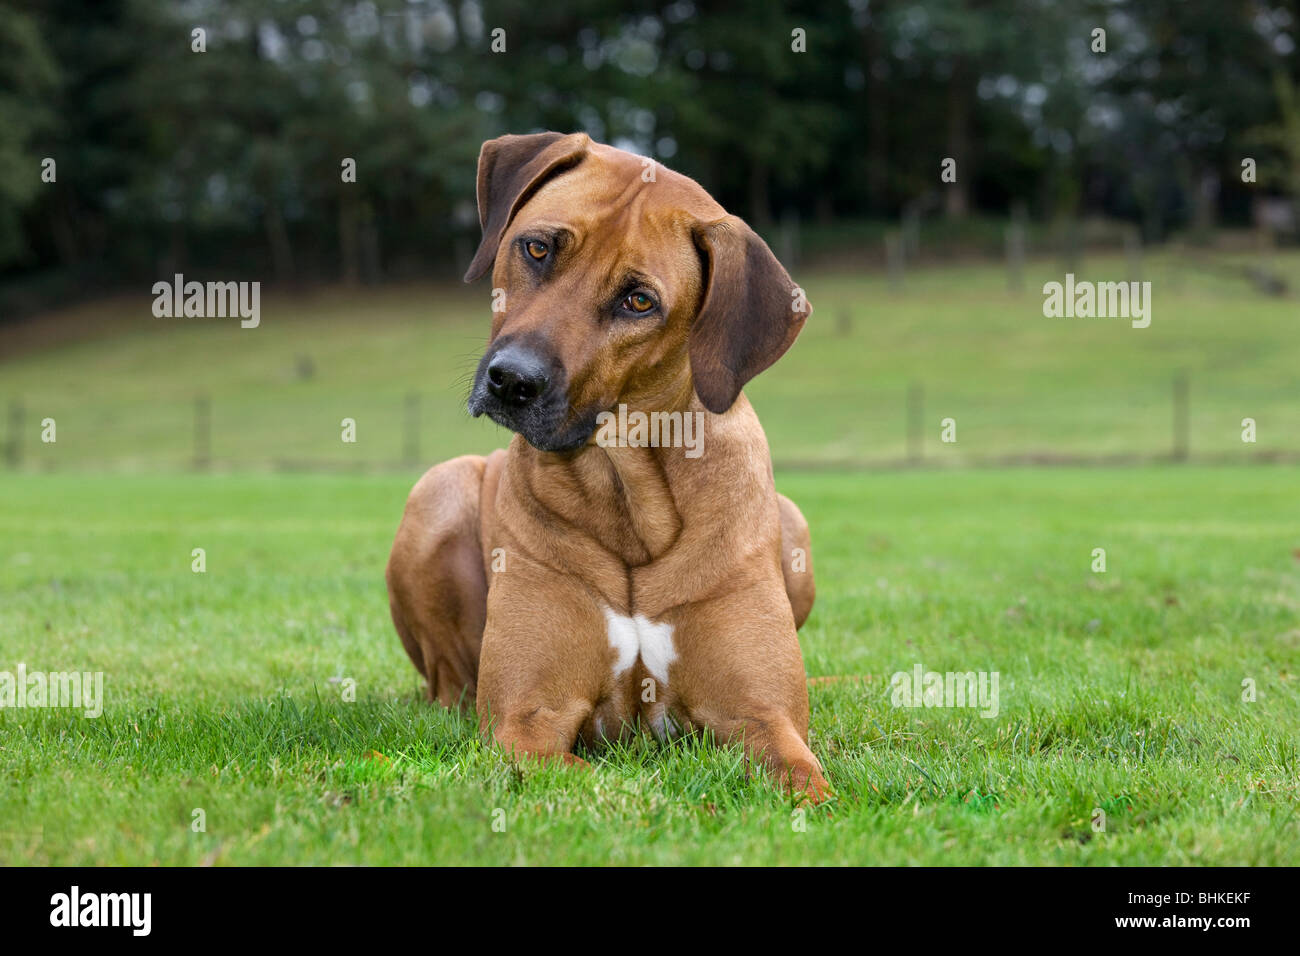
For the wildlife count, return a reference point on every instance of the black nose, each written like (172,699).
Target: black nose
(516,376)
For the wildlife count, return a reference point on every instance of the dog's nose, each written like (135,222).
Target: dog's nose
(516,376)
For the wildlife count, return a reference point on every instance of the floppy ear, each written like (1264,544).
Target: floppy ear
(751,313)
(510,170)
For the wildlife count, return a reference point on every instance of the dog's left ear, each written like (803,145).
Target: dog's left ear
(751,313)
(510,170)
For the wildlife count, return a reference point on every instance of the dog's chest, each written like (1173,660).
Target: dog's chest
(643,654)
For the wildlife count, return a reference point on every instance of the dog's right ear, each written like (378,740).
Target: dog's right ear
(751,313)
(510,170)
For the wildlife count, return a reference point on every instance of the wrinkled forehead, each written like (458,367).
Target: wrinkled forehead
(621,208)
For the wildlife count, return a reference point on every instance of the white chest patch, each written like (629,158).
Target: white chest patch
(633,637)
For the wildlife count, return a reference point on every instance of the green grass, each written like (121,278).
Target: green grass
(225,690)
(1016,383)
(1120,691)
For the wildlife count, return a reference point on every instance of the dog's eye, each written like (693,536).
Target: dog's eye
(536,250)
(638,302)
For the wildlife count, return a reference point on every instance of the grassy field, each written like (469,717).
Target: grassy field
(1016,383)
(225,690)
(271,693)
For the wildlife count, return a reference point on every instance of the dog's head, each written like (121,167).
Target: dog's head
(615,281)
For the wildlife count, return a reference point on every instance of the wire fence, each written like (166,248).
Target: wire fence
(1210,383)
(917,426)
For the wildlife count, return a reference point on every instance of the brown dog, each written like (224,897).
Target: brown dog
(582,582)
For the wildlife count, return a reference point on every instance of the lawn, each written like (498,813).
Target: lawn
(123,390)
(263,711)
(227,691)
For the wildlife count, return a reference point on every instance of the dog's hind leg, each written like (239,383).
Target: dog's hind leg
(437,584)
(796,560)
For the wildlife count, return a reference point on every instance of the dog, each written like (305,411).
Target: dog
(579,589)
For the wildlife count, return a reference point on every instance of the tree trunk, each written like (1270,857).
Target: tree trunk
(760,209)
(877,119)
(278,237)
(349,253)
(957,195)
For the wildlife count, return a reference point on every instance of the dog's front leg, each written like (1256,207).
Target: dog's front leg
(545,664)
(774,741)
(740,674)
(541,733)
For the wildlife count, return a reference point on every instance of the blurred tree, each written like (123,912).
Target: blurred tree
(1283,171)
(231,160)
(28,79)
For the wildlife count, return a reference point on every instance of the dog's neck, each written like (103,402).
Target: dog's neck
(633,500)
(643,483)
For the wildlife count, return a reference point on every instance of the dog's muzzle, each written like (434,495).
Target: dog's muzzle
(516,377)
(519,387)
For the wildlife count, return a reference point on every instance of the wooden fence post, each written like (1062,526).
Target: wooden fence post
(1016,256)
(915,423)
(411,439)
(894,255)
(202,432)
(14,446)
(1182,419)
